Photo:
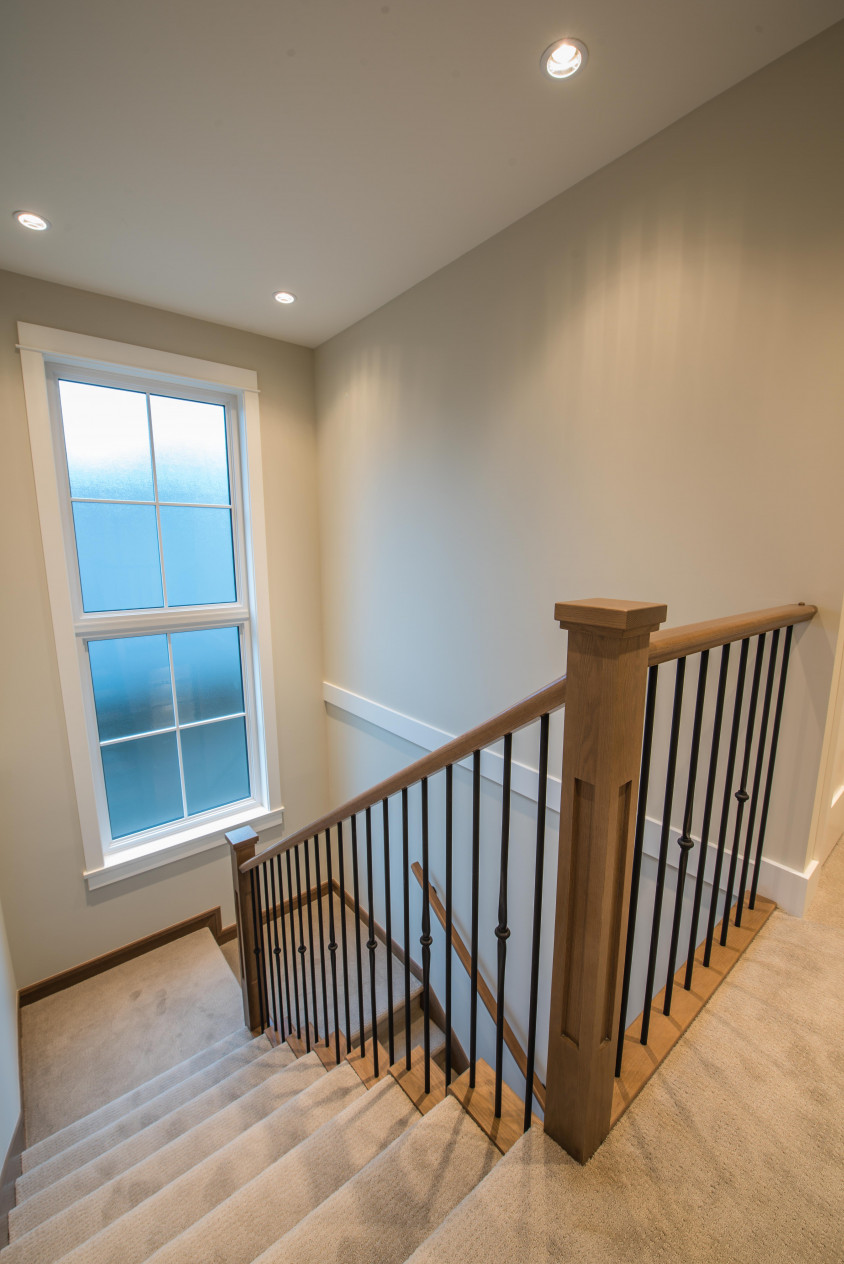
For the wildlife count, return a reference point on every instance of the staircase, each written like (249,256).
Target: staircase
(285,1140)
(244,1153)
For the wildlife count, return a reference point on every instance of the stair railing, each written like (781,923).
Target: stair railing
(610,694)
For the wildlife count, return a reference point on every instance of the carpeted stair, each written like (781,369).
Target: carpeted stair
(257,1155)
(246,1154)
(254,1155)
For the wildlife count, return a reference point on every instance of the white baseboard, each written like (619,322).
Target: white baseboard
(523,780)
(791,889)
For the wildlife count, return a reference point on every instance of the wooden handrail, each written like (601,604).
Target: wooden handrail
(551,698)
(668,644)
(484,990)
(671,643)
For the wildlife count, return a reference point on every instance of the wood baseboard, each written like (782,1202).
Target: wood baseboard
(11,1172)
(211,920)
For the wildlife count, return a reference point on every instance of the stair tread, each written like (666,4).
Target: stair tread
(222,1177)
(134,1121)
(254,1216)
(90,1198)
(104,1115)
(389,1207)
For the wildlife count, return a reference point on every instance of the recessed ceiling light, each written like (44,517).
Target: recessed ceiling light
(284,296)
(30,220)
(564,58)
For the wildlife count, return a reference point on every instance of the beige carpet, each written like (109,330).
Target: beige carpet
(93,1042)
(828,905)
(733,1152)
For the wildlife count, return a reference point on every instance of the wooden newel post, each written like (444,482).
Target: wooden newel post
(606,680)
(243,843)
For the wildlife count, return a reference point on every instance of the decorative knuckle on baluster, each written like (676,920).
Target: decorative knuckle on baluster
(742,796)
(332,947)
(685,842)
(502,932)
(302,949)
(426,940)
(372,944)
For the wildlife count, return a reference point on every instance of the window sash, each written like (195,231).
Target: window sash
(44,355)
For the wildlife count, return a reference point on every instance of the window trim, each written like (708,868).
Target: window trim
(41,348)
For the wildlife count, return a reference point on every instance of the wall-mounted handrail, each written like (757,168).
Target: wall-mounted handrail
(485,992)
(551,698)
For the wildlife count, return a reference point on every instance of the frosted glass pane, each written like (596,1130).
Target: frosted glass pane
(198,559)
(215,765)
(142,783)
(117,547)
(191,460)
(206,666)
(107,441)
(132,688)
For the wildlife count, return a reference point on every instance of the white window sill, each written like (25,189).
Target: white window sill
(189,842)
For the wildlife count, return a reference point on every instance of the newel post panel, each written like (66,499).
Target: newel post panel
(606,681)
(242,843)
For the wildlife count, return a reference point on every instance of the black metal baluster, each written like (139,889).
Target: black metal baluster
(426,940)
(259,965)
(358,955)
(341,864)
(663,846)
(284,944)
(772,759)
(449,895)
(388,926)
(725,805)
(372,942)
(473,973)
(757,775)
(638,843)
(707,812)
(542,790)
(302,950)
(277,913)
(684,842)
(741,794)
(293,945)
(310,904)
(321,930)
(502,930)
(405,880)
(266,946)
(332,946)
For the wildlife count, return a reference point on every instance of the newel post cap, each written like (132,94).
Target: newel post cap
(243,841)
(605,616)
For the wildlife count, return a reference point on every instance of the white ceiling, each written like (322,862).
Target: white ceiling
(197,155)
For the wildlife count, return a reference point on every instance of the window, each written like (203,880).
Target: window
(149,493)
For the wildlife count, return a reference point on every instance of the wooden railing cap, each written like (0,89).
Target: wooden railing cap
(610,617)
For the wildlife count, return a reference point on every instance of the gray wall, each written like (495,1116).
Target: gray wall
(53,921)
(634,392)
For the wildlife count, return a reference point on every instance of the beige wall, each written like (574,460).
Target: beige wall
(53,921)
(10,1097)
(636,391)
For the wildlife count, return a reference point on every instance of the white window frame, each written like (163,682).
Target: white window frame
(42,352)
